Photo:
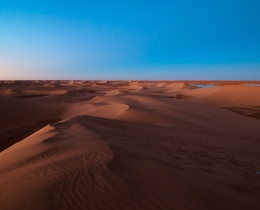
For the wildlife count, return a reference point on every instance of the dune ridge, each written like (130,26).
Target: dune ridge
(111,145)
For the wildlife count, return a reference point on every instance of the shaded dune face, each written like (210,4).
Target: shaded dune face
(11,136)
(110,145)
(96,163)
(31,96)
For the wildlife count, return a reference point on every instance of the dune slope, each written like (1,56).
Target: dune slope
(118,146)
(96,163)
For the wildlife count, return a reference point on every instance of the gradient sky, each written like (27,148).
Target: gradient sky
(144,39)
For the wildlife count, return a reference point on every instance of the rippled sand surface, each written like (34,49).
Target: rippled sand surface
(129,145)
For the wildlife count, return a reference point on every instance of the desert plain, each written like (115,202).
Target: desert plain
(129,145)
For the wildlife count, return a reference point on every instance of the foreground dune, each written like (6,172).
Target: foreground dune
(129,145)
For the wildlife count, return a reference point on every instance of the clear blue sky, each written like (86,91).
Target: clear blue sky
(144,39)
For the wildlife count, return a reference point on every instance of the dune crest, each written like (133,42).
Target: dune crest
(173,87)
(104,110)
(20,152)
(112,93)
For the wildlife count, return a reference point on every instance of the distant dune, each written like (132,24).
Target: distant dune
(129,145)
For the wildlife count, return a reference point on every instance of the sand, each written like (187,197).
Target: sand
(129,145)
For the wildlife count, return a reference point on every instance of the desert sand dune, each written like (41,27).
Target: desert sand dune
(102,82)
(105,111)
(138,169)
(10,92)
(174,112)
(54,92)
(228,95)
(134,88)
(49,85)
(19,153)
(237,95)
(112,93)
(173,87)
(162,84)
(120,147)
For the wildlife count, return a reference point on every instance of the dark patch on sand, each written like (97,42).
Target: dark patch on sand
(83,91)
(253,112)
(178,96)
(32,96)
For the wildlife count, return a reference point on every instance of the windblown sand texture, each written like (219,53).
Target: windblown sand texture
(129,145)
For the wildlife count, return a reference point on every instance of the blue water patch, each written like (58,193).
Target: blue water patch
(205,86)
(252,85)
